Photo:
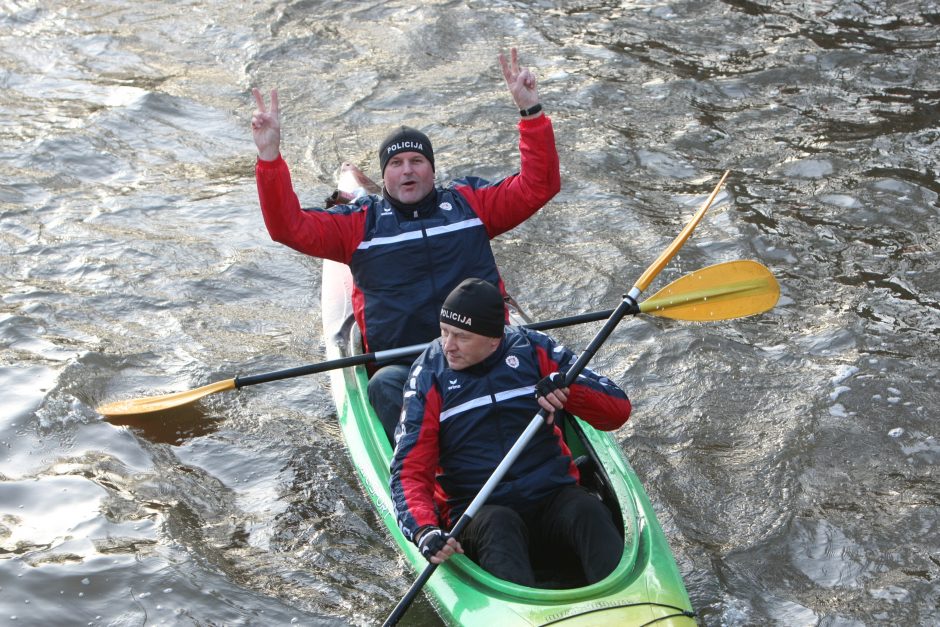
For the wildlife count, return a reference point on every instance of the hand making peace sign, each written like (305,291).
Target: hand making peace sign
(266,126)
(521,81)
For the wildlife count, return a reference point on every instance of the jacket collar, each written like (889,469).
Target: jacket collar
(420,209)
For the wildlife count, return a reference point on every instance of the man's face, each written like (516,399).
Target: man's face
(463,348)
(408,177)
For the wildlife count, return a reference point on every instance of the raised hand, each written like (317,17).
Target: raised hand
(521,81)
(266,126)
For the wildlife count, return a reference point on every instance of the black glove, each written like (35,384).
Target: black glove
(554,381)
(431,541)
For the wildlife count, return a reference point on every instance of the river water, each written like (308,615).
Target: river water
(791,457)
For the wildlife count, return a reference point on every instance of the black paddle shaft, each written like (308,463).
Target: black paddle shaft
(396,353)
(334,364)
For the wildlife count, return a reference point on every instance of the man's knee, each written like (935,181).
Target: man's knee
(498,524)
(583,518)
(593,533)
(497,539)
(574,503)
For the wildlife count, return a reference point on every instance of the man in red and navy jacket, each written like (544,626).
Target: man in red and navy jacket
(413,244)
(468,398)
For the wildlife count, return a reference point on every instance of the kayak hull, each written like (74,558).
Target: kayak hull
(646,585)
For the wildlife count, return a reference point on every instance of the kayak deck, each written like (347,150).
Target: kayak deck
(646,585)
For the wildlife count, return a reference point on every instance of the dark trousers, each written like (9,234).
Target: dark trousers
(386,391)
(570,522)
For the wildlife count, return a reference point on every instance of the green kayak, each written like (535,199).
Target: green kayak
(645,587)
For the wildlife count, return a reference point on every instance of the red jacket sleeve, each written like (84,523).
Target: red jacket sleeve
(592,397)
(416,458)
(317,232)
(510,202)
(599,409)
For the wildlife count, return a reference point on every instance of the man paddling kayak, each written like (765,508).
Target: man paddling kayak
(469,397)
(408,247)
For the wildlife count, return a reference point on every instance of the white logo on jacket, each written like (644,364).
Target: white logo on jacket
(446,206)
(453,384)
(512,361)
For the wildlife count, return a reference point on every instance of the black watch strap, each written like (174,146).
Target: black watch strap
(531,110)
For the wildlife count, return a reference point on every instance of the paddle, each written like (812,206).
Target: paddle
(662,302)
(728,290)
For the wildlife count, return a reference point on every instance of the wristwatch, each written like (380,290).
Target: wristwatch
(531,110)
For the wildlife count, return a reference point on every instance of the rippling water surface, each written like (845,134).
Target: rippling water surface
(791,457)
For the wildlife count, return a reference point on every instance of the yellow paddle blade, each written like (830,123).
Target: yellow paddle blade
(664,257)
(151,404)
(726,290)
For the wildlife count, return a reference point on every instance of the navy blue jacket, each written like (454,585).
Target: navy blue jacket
(403,266)
(457,425)
(402,256)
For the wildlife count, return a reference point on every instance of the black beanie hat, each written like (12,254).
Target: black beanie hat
(476,306)
(405,139)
